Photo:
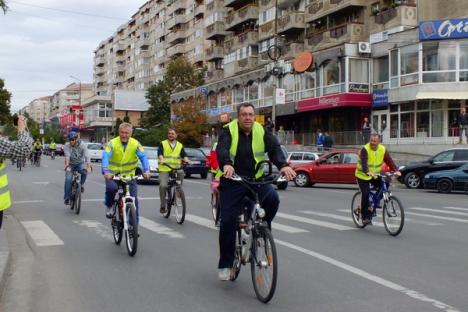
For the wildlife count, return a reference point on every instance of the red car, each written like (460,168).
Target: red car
(336,166)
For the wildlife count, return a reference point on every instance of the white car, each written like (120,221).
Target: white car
(301,157)
(94,151)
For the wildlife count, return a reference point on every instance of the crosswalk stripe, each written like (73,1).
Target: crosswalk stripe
(287,228)
(436,217)
(41,233)
(159,228)
(457,208)
(325,224)
(139,198)
(336,217)
(102,230)
(406,219)
(456,213)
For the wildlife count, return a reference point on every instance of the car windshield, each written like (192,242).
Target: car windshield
(192,152)
(94,146)
(151,153)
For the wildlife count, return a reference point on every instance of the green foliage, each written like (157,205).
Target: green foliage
(5,97)
(181,75)
(118,121)
(126,119)
(158,96)
(151,137)
(32,126)
(3,6)
(54,133)
(190,122)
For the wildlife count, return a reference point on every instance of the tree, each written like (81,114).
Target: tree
(152,136)
(190,122)
(181,75)
(158,96)
(3,6)
(126,119)
(5,97)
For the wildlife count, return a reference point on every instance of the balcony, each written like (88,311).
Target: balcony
(214,75)
(120,58)
(291,22)
(215,31)
(178,19)
(404,15)
(246,64)
(266,2)
(99,60)
(320,8)
(176,5)
(346,33)
(214,53)
(284,4)
(240,16)
(266,30)
(197,58)
(120,47)
(245,39)
(177,50)
(215,5)
(99,71)
(176,35)
(236,3)
(292,50)
(144,42)
(144,19)
(199,10)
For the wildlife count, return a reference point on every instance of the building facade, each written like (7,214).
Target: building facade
(39,109)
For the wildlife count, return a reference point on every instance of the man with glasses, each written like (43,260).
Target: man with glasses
(76,155)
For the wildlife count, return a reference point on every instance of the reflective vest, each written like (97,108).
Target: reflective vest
(52,146)
(258,143)
(123,161)
(5,201)
(171,156)
(37,146)
(374,162)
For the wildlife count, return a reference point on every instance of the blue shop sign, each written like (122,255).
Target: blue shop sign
(443,29)
(214,111)
(380,98)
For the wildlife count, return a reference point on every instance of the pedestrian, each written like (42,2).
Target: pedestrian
(270,125)
(366,130)
(281,135)
(19,149)
(463,124)
(320,139)
(327,141)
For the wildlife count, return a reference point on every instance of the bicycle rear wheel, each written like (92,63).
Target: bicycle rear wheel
(117,226)
(168,203)
(393,216)
(264,264)
(77,201)
(356,210)
(131,234)
(179,205)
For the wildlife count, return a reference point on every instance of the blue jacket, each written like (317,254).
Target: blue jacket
(320,139)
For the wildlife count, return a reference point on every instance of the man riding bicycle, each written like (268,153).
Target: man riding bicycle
(370,160)
(242,144)
(171,152)
(37,148)
(52,148)
(121,157)
(76,155)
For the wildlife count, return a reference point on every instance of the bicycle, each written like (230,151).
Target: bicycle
(124,214)
(393,213)
(214,202)
(52,154)
(37,158)
(175,196)
(20,163)
(254,241)
(75,198)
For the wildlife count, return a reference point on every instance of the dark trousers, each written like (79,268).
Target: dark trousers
(111,189)
(231,198)
(364,185)
(1,218)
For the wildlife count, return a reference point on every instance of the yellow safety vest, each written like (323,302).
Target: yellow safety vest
(123,161)
(258,143)
(5,200)
(171,156)
(374,162)
(52,146)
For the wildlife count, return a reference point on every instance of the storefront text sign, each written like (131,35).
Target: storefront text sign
(336,100)
(359,87)
(443,29)
(380,98)
(280,96)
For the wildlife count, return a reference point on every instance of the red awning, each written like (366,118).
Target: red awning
(334,101)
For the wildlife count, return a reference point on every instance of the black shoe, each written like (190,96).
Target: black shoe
(82,189)
(109,213)
(162,210)
(366,221)
(67,202)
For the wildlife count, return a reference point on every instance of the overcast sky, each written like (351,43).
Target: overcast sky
(40,48)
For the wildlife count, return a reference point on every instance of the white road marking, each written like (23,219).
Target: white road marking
(437,217)
(325,224)
(406,219)
(41,233)
(41,182)
(201,221)
(456,213)
(336,217)
(287,228)
(373,278)
(27,201)
(139,198)
(457,208)
(159,228)
(196,182)
(102,230)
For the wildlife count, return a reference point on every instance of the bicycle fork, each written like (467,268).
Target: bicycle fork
(127,198)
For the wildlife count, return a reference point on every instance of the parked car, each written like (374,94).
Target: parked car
(336,166)
(152,155)
(413,174)
(301,157)
(281,185)
(447,180)
(198,163)
(94,151)
(59,150)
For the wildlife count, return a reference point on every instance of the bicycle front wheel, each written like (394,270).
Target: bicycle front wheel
(214,205)
(117,227)
(168,203)
(77,201)
(264,264)
(131,234)
(393,216)
(236,265)
(356,210)
(179,205)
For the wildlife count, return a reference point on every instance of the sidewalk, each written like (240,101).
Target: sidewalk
(4,258)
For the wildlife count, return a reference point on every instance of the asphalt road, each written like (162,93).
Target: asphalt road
(67,262)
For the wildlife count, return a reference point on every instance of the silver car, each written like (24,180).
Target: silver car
(152,155)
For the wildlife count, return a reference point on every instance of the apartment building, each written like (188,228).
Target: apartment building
(38,109)
(63,99)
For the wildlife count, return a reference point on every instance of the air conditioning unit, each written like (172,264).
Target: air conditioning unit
(287,68)
(364,47)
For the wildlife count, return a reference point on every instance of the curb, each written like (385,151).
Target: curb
(5,260)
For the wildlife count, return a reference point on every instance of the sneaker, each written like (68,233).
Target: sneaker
(67,202)
(82,189)
(109,213)
(366,221)
(162,210)
(224,274)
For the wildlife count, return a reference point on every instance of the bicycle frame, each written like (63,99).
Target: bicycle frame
(124,196)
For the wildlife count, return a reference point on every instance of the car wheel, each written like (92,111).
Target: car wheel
(302,179)
(412,180)
(187,175)
(445,185)
(282,185)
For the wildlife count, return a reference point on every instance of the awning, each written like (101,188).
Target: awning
(334,101)
(424,95)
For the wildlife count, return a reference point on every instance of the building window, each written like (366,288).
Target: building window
(394,82)
(331,77)
(422,119)
(463,58)
(409,65)
(439,62)
(266,16)
(308,84)
(453,112)
(288,85)
(380,68)
(253,91)
(238,94)
(437,118)
(358,75)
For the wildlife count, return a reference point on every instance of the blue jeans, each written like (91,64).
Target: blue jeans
(69,177)
(111,189)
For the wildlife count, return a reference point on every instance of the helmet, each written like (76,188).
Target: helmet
(72,135)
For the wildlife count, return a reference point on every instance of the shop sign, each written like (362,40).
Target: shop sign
(443,29)
(303,61)
(214,111)
(260,119)
(333,101)
(359,87)
(226,109)
(380,98)
(280,96)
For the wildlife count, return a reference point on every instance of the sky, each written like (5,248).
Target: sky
(44,42)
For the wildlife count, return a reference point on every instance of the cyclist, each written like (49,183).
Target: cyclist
(121,157)
(52,148)
(76,155)
(37,148)
(241,145)
(171,152)
(370,160)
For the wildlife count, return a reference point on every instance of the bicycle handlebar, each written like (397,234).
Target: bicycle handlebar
(172,168)
(266,180)
(118,177)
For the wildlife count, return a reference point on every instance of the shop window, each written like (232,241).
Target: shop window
(405,107)
(437,121)
(331,77)
(394,125)
(213,100)
(394,83)
(423,105)
(439,62)
(238,94)
(253,91)
(422,124)
(268,91)
(380,68)
(358,75)
(407,125)
(453,112)
(288,85)
(308,85)
(463,58)
(409,65)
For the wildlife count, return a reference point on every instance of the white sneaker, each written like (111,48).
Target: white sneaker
(224,274)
